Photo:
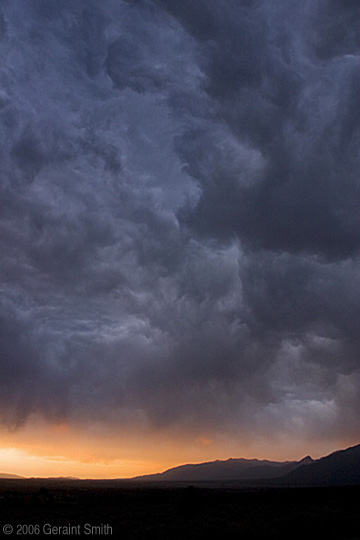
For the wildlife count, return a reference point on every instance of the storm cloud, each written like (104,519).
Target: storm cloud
(179,213)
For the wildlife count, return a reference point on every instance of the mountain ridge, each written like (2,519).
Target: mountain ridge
(230,469)
(341,467)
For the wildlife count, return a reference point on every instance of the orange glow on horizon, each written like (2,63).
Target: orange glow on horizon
(46,450)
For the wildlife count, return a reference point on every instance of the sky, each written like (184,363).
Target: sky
(179,232)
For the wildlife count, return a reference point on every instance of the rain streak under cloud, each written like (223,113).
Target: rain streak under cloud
(179,215)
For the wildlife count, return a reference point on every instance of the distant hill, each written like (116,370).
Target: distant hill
(60,478)
(65,478)
(339,468)
(6,475)
(229,470)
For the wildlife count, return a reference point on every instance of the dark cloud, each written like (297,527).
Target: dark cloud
(338,29)
(179,213)
(294,111)
(30,381)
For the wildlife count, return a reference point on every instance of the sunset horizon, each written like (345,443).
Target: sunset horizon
(82,457)
(179,233)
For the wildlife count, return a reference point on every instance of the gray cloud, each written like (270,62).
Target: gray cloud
(179,213)
(277,97)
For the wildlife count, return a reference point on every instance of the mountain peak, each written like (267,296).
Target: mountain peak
(306,460)
(339,468)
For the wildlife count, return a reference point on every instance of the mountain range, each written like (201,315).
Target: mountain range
(339,468)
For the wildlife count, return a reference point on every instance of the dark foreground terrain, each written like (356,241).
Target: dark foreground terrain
(88,509)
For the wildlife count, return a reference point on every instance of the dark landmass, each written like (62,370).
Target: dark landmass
(231,469)
(338,469)
(133,511)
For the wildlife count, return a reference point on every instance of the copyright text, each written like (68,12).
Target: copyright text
(57,530)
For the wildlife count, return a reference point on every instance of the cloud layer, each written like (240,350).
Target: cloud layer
(179,223)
